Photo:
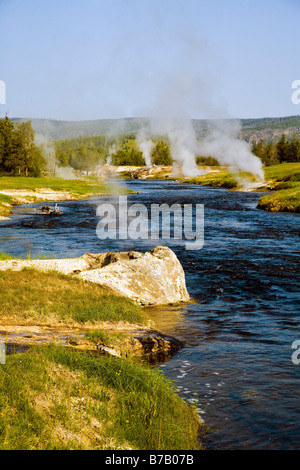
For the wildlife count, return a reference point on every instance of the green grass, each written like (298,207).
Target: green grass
(81,187)
(57,297)
(286,186)
(4,256)
(222,179)
(286,200)
(57,399)
(284,180)
(5,205)
(282,171)
(78,188)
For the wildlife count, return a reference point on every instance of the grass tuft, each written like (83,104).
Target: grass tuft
(56,399)
(38,295)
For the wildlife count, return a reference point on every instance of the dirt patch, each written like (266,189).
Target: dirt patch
(146,343)
(23,196)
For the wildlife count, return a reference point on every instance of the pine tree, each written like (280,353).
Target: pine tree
(293,150)
(18,153)
(7,145)
(281,148)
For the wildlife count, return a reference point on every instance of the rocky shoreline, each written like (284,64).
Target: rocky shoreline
(150,279)
(146,343)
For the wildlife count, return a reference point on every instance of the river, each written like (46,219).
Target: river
(236,364)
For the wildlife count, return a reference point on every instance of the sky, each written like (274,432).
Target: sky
(96,59)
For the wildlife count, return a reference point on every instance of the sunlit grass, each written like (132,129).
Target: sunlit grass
(53,398)
(77,188)
(286,200)
(39,295)
(286,186)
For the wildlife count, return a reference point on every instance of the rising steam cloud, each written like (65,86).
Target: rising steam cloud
(223,144)
(171,118)
(145,145)
(47,148)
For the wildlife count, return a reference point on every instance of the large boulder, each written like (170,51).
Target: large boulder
(152,278)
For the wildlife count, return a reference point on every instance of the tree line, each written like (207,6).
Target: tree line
(18,153)
(86,153)
(283,150)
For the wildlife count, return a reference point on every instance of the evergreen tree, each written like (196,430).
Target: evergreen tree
(161,154)
(18,153)
(281,148)
(7,145)
(293,150)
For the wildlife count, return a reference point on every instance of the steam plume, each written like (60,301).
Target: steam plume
(223,144)
(145,145)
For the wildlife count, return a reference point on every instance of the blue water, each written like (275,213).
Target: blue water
(236,364)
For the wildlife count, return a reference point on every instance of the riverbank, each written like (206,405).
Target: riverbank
(20,190)
(282,181)
(85,379)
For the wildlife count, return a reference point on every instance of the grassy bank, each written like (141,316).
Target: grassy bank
(283,182)
(21,190)
(57,397)
(40,296)
(52,398)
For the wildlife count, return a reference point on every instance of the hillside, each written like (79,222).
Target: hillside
(252,130)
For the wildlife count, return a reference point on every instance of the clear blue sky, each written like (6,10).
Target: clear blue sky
(90,59)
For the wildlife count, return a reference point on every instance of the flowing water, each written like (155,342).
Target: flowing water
(236,364)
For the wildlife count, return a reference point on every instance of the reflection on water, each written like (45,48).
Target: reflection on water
(236,363)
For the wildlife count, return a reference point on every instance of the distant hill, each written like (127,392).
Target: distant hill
(269,128)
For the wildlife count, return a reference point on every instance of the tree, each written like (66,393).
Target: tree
(258,149)
(128,156)
(7,145)
(18,153)
(161,154)
(269,156)
(84,159)
(293,150)
(281,148)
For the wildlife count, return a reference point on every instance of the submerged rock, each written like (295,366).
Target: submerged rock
(149,345)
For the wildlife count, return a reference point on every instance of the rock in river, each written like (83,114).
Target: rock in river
(152,278)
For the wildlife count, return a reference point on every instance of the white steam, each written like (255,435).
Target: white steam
(223,144)
(182,138)
(145,145)
(47,148)
(111,151)
(182,92)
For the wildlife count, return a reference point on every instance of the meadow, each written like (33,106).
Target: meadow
(76,188)
(57,397)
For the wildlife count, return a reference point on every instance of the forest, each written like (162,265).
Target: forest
(280,151)
(20,156)
(85,153)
